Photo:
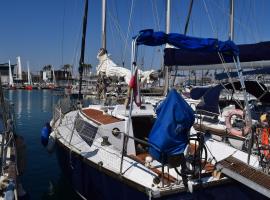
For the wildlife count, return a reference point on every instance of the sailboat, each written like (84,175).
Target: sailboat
(128,151)
(29,85)
(11,84)
(113,152)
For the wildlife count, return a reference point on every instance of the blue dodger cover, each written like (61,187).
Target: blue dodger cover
(170,131)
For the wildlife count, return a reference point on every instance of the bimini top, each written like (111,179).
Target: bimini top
(150,38)
(248,53)
(210,95)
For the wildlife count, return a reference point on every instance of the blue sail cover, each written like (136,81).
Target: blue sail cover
(150,38)
(170,131)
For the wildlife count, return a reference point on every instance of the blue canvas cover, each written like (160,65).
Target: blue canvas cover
(248,53)
(150,38)
(170,131)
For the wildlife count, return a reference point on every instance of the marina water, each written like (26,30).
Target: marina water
(42,178)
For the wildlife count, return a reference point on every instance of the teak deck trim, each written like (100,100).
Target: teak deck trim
(245,174)
(99,117)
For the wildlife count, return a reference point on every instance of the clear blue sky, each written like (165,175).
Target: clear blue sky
(49,31)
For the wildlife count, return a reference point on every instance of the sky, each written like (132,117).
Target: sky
(49,31)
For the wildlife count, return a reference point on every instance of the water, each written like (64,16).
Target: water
(42,178)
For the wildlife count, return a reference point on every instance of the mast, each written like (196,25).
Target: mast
(231,33)
(54,81)
(28,74)
(168,17)
(83,48)
(188,17)
(103,24)
(168,27)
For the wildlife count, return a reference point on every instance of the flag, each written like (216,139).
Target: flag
(134,85)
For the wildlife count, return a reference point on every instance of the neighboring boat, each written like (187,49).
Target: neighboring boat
(215,114)
(29,85)
(13,151)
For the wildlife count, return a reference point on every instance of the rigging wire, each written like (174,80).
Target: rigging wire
(245,26)
(63,34)
(128,30)
(76,52)
(155,14)
(117,26)
(210,19)
(113,35)
(256,29)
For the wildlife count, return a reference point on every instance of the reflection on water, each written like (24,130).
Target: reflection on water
(29,101)
(42,176)
(46,101)
(18,103)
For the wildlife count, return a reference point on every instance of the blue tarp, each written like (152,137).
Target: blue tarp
(170,131)
(150,38)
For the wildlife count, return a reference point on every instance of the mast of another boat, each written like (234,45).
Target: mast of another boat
(28,74)
(104,24)
(83,48)
(231,32)
(168,27)
(54,80)
(185,32)
(104,47)
(242,81)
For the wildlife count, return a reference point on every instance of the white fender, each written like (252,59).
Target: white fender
(51,142)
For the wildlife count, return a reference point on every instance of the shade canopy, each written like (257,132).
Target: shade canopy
(247,53)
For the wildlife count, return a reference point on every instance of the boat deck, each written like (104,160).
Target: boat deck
(246,174)
(99,116)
